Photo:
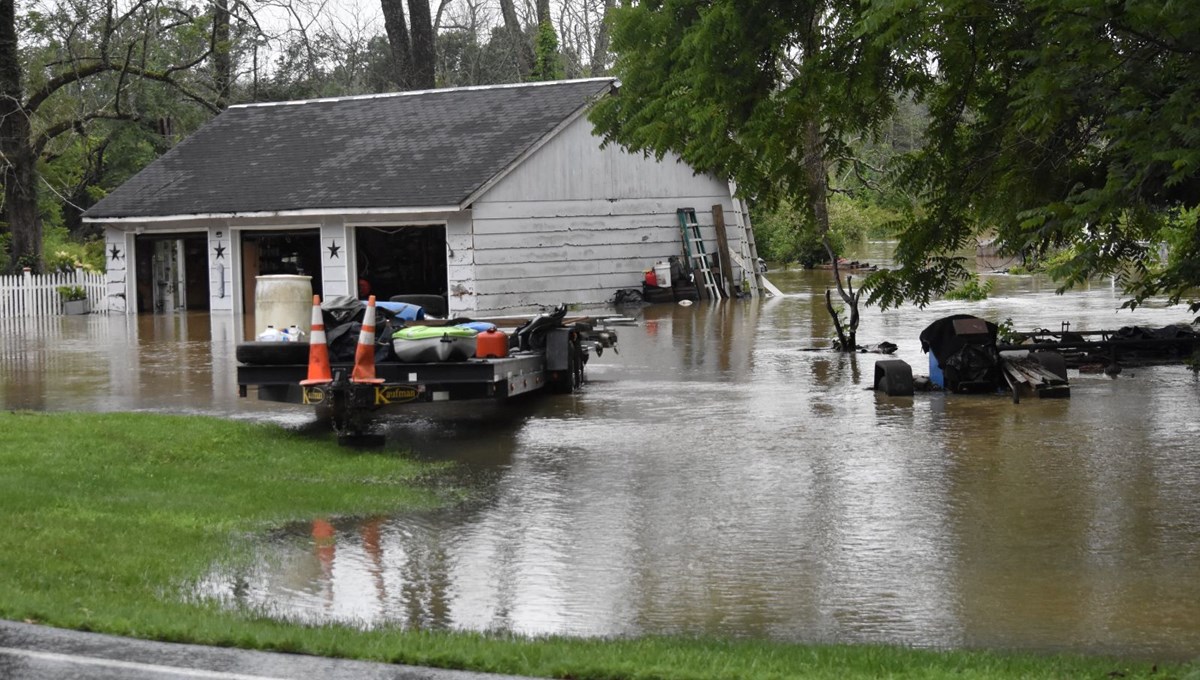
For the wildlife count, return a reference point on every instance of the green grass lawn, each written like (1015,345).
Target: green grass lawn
(109,517)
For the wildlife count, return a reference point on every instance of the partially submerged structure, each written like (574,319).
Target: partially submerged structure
(497,198)
(964,357)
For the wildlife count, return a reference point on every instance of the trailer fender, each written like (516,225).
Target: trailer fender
(894,378)
(558,349)
(1052,361)
(564,365)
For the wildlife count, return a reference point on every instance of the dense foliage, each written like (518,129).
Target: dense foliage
(92,91)
(77,77)
(766,92)
(1056,125)
(784,234)
(1066,128)
(735,87)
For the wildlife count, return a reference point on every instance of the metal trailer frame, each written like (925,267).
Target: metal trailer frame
(471,379)
(558,366)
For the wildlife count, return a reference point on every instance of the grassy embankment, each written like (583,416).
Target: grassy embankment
(107,515)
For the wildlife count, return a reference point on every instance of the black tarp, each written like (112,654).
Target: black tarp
(965,348)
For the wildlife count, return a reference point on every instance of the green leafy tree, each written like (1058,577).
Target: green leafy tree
(67,68)
(764,91)
(785,234)
(1057,125)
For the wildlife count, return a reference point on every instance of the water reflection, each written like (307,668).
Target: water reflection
(716,478)
(179,363)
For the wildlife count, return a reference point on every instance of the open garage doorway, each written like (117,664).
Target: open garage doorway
(266,253)
(172,273)
(402,261)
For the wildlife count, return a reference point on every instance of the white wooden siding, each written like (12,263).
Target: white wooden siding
(222,270)
(460,265)
(572,165)
(118,250)
(335,269)
(574,223)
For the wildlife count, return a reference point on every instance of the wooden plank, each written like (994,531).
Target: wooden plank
(548,272)
(727,281)
(524,301)
(632,238)
(572,223)
(548,291)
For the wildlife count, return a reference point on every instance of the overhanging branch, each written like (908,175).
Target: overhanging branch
(39,145)
(37,98)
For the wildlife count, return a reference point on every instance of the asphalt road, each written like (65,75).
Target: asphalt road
(29,652)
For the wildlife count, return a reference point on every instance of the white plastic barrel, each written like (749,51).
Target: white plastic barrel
(283,300)
(662,271)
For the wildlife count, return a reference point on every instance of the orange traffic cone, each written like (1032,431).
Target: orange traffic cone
(319,372)
(364,355)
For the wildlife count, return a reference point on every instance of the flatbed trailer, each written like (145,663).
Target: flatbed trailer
(556,364)
(1107,347)
(402,382)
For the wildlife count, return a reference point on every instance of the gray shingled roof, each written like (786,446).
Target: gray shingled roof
(420,149)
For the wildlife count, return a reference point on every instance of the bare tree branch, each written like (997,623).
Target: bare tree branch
(75,124)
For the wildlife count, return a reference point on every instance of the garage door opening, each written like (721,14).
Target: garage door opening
(266,253)
(402,261)
(172,273)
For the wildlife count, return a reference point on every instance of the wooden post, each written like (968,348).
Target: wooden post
(727,281)
(27,293)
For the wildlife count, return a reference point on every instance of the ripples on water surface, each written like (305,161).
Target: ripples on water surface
(716,479)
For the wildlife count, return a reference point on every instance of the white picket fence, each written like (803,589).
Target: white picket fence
(36,295)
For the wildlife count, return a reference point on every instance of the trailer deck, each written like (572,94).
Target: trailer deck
(402,382)
(550,355)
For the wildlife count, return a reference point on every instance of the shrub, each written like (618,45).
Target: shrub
(786,234)
(971,291)
(71,293)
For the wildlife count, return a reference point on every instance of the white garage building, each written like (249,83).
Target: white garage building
(500,199)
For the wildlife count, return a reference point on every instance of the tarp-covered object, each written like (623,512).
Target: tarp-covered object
(343,316)
(965,349)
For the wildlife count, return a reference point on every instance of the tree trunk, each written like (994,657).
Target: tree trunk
(816,187)
(516,35)
(20,203)
(600,50)
(222,64)
(20,162)
(543,11)
(397,33)
(816,190)
(816,175)
(423,56)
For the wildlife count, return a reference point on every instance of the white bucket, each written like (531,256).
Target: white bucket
(662,272)
(283,300)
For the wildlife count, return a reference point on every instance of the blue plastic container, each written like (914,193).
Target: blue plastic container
(935,372)
(480,326)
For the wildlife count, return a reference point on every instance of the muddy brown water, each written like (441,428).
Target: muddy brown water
(715,479)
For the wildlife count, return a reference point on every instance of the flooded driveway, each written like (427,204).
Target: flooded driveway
(716,479)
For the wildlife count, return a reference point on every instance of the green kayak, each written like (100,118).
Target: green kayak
(433,344)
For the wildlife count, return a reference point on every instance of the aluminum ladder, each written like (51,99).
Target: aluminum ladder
(693,243)
(749,251)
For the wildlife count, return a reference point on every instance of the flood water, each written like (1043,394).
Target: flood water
(716,479)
